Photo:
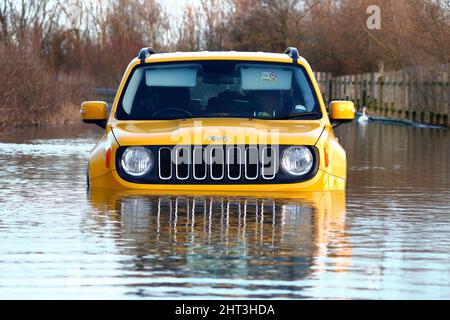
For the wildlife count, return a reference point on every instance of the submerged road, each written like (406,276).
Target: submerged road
(387,237)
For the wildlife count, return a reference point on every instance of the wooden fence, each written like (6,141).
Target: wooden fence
(419,94)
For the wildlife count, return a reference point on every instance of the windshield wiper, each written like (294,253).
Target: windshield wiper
(298,116)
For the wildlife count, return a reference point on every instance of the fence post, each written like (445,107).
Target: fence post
(432,112)
(413,101)
(403,112)
(346,87)
(381,88)
(443,103)
(330,88)
(364,92)
(447,111)
(373,93)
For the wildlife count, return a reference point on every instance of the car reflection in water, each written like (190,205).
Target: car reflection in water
(226,237)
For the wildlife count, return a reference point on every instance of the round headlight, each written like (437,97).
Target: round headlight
(137,161)
(297,161)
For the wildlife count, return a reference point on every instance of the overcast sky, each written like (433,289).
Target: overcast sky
(177,5)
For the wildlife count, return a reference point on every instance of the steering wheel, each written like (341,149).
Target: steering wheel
(168,110)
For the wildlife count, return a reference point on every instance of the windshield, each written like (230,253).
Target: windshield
(218,89)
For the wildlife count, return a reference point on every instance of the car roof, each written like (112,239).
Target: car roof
(222,55)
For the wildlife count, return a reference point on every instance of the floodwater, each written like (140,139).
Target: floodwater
(387,237)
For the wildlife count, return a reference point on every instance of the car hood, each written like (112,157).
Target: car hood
(207,131)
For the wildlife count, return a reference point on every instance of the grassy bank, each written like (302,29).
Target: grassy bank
(33,94)
(13,119)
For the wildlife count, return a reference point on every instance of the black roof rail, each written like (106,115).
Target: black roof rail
(145,53)
(293,53)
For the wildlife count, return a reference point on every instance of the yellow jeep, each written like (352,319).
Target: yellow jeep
(218,121)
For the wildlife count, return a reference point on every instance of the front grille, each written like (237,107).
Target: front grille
(216,164)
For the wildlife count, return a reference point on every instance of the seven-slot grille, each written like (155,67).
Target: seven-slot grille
(217,163)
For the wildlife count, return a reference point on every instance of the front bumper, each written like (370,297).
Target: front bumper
(322,181)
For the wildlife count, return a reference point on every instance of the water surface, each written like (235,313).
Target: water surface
(387,237)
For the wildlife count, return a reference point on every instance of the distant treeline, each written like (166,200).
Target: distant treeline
(54,52)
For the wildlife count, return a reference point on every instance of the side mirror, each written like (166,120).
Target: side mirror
(94,112)
(342,111)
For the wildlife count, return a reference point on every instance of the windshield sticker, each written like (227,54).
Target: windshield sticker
(269,76)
